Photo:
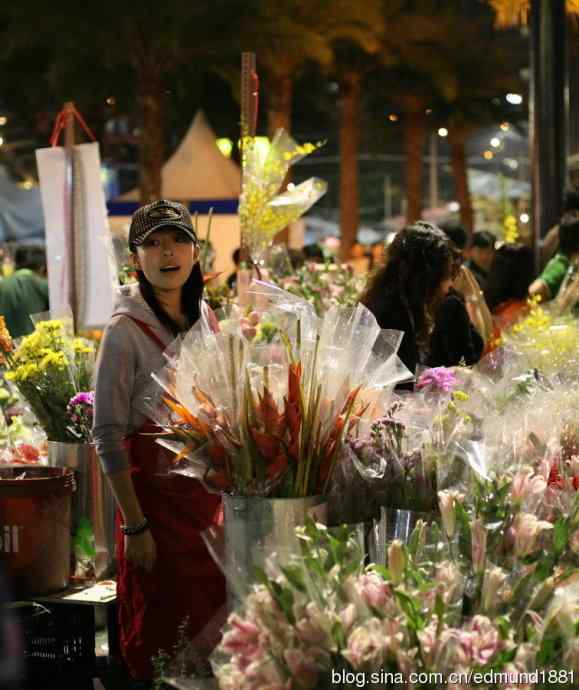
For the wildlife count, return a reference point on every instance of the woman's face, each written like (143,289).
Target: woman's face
(167,258)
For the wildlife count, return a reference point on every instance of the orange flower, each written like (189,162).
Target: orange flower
(6,343)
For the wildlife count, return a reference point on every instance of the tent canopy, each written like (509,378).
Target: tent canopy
(197,169)
(21,216)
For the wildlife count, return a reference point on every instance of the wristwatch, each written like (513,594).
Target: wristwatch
(133,530)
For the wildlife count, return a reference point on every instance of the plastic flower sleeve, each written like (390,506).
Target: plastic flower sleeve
(261,213)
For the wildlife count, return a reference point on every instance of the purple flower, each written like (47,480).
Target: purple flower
(438,379)
(83,398)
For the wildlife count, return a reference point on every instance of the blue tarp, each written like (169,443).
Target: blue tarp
(21,216)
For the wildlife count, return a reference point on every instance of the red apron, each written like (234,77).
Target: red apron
(185,581)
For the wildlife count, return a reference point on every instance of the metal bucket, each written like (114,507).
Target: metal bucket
(93,501)
(257,529)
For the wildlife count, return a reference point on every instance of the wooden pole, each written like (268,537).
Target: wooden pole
(249,101)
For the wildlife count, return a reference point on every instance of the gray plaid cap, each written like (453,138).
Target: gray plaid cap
(159,214)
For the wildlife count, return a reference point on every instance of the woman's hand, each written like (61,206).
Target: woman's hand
(141,550)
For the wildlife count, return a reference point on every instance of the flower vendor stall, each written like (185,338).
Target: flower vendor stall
(479,587)
(52,371)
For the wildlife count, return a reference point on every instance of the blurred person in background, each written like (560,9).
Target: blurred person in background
(314,253)
(455,338)
(25,292)
(550,243)
(563,266)
(508,283)
(457,235)
(359,260)
(405,293)
(481,254)
(377,251)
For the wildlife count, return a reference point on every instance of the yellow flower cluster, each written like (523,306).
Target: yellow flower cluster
(46,350)
(261,213)
(49,367)
(550,342)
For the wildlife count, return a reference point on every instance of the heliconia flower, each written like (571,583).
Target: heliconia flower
(479,545)
(438,379)
(527,528)
(396,560)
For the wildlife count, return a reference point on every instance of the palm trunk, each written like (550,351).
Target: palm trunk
(349,146)
(414,141)
(457,140)
(279,117)
(153,124)
(280,110)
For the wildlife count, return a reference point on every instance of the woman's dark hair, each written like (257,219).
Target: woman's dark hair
(191,294)
(569,233)
(510,275)
(420,258)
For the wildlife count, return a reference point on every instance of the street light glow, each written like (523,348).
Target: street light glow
(488,155)
(443,132)
(505,126)
(225,146)
(495,142)
(514,98)
(3,120)
(393,117)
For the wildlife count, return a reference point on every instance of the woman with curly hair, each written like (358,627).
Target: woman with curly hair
(404,294)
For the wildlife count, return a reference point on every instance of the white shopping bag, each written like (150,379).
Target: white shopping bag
(80,274)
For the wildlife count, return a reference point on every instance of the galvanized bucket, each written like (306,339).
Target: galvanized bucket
(256,529)
(93,502)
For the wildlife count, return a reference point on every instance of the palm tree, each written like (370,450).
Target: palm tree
(476,49)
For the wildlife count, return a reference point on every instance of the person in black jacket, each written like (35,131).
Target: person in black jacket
(454,339)
(405,293)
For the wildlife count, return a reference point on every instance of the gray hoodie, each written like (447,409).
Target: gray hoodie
(127,357)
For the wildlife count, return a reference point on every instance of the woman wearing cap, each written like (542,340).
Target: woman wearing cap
(165,571)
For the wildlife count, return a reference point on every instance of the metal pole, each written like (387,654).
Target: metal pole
(548,110)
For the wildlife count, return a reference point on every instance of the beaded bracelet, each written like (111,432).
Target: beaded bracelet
(133,530)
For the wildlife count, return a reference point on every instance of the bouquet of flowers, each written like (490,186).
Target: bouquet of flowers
(265,410)
(324,285)
(48,368)
(262,214)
